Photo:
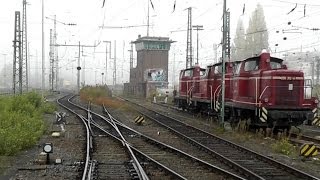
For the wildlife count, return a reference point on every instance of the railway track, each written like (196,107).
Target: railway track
(189,167)
(87,164)
(301,139)
(92,169)
(260,166)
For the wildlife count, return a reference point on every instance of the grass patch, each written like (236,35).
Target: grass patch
(99,95)
(21,122)
(283,146)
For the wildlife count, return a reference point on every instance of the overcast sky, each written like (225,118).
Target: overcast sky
(90,16)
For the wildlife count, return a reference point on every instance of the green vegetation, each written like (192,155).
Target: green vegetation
(283,146)
(21,121)
(92,93)
(99,95)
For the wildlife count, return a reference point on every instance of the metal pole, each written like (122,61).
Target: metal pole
(198,27)
(106,61)
(115,65)
(84,70)
(107,58)
(43,74)
(197,46)
(95,77)
(78,73)
(148,19)
(223,60)
(5,71)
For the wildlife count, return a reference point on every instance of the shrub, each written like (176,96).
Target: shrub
(21,122)
(283,146)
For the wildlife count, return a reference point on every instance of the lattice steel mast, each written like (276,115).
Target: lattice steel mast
(55,50)
(17,60)
(51,54)
(189,40)
(24,52)
(228,46)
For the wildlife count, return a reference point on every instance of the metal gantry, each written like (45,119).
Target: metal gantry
(17,59)
(54,60)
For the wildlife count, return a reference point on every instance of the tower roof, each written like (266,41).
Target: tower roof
(153,39)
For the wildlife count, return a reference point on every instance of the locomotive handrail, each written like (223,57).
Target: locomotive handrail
(189,91)
(263,92)
(210,97)
(257,95)
(214,96)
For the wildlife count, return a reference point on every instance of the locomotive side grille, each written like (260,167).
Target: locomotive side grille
(287,92)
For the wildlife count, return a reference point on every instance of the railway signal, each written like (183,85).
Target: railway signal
(48,148)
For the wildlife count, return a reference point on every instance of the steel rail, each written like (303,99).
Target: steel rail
(85,171)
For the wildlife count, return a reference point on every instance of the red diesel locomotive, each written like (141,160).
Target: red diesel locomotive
(260,90)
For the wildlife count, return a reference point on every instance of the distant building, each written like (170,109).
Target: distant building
(151,71)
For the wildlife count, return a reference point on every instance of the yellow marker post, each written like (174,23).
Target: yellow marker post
(139,120)
(308,150)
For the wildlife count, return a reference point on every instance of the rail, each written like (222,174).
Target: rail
(141,173)
(85,171)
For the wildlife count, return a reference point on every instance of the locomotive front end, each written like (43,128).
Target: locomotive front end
(285,100)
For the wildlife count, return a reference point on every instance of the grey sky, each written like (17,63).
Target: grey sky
(88,15)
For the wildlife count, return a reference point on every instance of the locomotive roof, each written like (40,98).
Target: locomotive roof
(219,63)
(273,58)
(193,67)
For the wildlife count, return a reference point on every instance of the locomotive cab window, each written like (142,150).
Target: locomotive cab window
(236,68)
(275,63)
(188,73)
(251,65)
(218,69)
(202,72)
(207,71)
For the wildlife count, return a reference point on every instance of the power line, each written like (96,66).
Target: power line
(288,2)
(121,27)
